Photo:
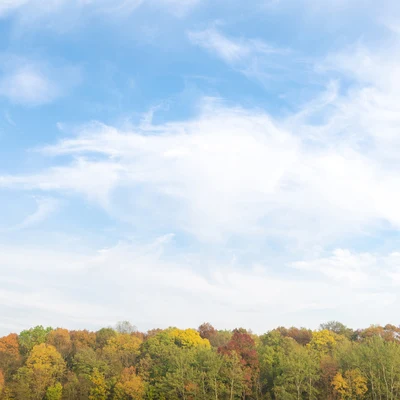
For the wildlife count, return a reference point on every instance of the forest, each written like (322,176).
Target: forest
(121,363)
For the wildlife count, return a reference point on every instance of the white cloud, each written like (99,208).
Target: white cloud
(94,180)
(353,269)
(328,173)
(28,86)
(232,171)
(192,288)
(33,83)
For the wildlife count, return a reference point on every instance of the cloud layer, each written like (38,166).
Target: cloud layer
(57,287)
(230,212)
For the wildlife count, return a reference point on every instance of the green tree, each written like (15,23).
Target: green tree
(54,392)
(300,371)
(31,337)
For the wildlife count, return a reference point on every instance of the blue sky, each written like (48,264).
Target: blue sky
(171,162)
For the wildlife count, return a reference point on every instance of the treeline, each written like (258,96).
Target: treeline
(122,363)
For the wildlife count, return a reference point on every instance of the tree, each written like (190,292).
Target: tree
(338,328)
(43,368)
(210,372)
(329,367)
(187,338)
(82,339)
(130,386)
(206,331)
(61,340)
(300,371)
(103,336)
(351,386)
(2,381)
(122,349)
(9,345)
(99,390)
(125,327)
(379,362)
(221,338)
(323,342)
(54,392)
(31,337)
(180,380)
(234,376)
(302,336)
(244,346)
(9,354)
(85,361)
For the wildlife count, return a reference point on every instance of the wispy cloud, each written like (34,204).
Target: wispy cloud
(222,46)
(45,206)
(33,83)
(8,118)
(254,58)
(232,171)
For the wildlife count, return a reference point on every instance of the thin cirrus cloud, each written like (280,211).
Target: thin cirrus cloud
(33,83)
(254,58)
(45,207)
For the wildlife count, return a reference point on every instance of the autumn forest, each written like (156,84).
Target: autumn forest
(121,363)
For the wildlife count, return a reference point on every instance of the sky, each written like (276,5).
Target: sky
(172,162)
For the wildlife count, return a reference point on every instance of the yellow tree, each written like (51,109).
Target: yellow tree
(188,338)
(122,348)
(99,390)
(323,342)
(44,368)
(351,386)
(130,386)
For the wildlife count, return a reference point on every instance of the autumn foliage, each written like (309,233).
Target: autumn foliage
(331,363)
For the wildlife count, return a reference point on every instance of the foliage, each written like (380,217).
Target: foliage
(31,337)
(332,363)
(125,327)
(130,386)
(54,392)
(350,386)
(43,368)
(99,390)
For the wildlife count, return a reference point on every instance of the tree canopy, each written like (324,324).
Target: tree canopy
(122,363)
